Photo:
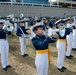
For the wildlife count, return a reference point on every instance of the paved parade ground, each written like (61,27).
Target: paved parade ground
(25,65)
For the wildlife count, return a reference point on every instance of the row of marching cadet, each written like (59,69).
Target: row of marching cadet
(42,32)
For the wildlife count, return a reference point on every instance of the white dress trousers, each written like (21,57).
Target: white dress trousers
(61,47)
(74,39)
(69,41)
(4,48)
(15,25)
(22,45)
(41,62)
(26,25)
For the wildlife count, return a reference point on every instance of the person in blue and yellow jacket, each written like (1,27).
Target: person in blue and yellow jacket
(4,47)
(41,43)
(69,38)
(61,44)
(21,32)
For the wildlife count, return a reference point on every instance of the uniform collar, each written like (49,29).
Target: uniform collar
(20,26)
(39,35)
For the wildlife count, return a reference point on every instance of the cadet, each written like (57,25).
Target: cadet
(36,20)
(26,23)
(14,20)
(61,44)
(74,39)
(21,32)
(51,30)
(69,39)
(4,47)
(74,34)
(41,43)
(44,22)
(51,22)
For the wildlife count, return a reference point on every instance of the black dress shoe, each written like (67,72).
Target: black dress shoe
(26,54)
(71,55)
(5,69)
(74,49)
(23,55)
(61,70)
(63,67)
(68,57)
(8,66)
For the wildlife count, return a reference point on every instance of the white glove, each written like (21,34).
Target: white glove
(54,34)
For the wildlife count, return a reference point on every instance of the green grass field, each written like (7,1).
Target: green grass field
(25,65)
